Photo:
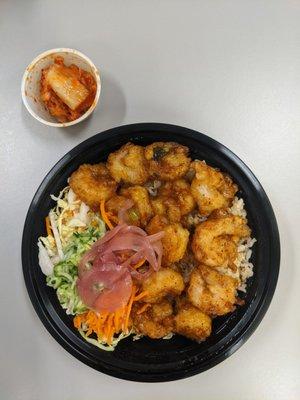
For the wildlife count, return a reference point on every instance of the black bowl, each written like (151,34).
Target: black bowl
(148,360)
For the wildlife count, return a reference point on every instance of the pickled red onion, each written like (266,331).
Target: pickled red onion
(105,279)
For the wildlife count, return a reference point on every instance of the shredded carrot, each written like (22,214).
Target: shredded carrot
(110,330)
(105,324)
(117,319)
(141,295)
(125,329)
(103,316)
(48,227)
(143,308)
(78,319)
(104,215)
(139,264)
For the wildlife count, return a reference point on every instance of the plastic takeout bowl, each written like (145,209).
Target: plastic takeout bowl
(30,88)
(149,360)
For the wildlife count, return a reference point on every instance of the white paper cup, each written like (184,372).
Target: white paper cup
(30,88)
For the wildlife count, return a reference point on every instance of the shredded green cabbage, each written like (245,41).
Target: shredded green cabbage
(103,345)
(65,272)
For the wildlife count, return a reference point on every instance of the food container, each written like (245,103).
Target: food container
(31,84)
(147,360)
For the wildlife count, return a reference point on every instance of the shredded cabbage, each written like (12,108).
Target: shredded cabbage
(103,345)
(65,272)
(75,228)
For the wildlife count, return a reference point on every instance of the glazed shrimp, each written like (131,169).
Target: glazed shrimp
(215,241)
(128,164)
(212,292)
(174,200)
(92,184)
(174,241)
(211,188)
(167,160)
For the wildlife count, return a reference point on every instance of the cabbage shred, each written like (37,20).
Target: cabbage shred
(77,228)
(65,272)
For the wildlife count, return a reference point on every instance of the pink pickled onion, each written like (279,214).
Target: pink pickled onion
(105,289)
(105,280)
(122,213)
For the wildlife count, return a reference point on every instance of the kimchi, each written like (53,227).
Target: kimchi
(67,91)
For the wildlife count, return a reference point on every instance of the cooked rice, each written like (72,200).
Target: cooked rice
(195,218)
(237,207)
(153,187)
(244,266)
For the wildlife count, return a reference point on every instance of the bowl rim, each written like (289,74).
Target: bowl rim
(44,55)
(51,319)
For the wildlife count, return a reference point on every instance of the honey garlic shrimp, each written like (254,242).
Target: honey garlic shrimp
(212,292)
(167,160)
(129,165)
(93,184)
(211,188)
(174,200)
(215,240)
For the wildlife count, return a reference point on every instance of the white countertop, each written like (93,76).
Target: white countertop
(227,68)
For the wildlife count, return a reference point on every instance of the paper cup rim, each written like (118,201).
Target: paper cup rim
(46,54)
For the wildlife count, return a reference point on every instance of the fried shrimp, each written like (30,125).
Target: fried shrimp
(165,248)
(174,200)
(156,322)
(166,207)
(117,203)
(192,323)
(211,188)
(167,160)
(212,292)
(174,241)
(165,282)
(128,165)
(92,184)
(215,241)
(140,197)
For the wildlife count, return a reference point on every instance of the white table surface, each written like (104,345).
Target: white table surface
(227,68)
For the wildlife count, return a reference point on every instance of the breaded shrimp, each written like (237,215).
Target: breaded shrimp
(166,207)
(174,241)
(212,292)
(140,197)
(211,188)
(92,184)
(156,322)
(174,200)
(128,164)
(167,160)
(192,323)
(165,282)
(180,190)
(215,241)
(116,203)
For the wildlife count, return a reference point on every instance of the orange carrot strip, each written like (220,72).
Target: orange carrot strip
(121,318)
(141,295)
(117,319)
(99,328)
(109,329)
(143,308)
(111,335)
(48,227)
(77,321)
(103,317)
(139,264)
(104,215)
(129,309)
